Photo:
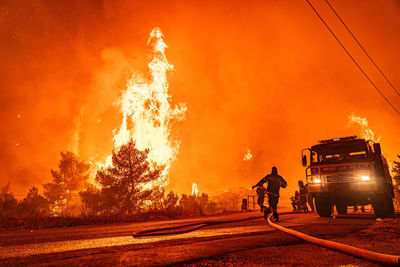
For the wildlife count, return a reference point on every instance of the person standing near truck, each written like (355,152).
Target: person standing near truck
(310,199)
(275,182)
(303,196)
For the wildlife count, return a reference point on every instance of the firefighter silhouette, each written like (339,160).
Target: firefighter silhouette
(303,196)
(310,199)
(275,182)
(261,191)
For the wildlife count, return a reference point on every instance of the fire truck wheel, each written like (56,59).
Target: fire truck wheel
(324,206)
(341,208)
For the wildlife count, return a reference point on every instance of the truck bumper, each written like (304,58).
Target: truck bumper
(342,190)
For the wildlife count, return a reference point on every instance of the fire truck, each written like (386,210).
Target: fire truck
(348,171)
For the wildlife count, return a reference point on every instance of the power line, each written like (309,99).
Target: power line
(370,58)
(351,57)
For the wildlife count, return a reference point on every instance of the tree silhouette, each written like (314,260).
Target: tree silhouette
(396,178)
(189,204)
(203,203)
(67,181)
(34,204)
(122,183)
(157,199)
(8,203)
(171,204)
(92,201)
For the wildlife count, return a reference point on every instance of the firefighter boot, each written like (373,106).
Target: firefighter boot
(276,216)
(267,211)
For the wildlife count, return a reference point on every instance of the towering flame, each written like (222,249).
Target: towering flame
(195,190)
(147,112)
(365,131)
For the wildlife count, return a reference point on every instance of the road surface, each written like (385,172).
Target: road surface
(243,243)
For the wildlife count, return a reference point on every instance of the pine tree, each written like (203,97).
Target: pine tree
(122,183)
(67,181)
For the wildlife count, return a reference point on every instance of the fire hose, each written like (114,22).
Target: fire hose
(358,252)
(354,251)
(192,227)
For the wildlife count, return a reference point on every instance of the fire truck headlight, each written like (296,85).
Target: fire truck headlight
(365,178)
(317,181)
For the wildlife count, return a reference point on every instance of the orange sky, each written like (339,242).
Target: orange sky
(264,75)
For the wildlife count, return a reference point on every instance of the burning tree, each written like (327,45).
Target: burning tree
(147,118)
(147,114)
(71,177)
(123,183)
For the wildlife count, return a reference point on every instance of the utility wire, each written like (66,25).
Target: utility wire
(370,58)
(351,57)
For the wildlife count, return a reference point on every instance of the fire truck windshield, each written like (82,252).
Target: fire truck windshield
(339,152)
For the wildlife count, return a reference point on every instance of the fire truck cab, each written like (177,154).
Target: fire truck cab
(348,171)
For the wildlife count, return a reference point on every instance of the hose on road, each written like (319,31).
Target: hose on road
(358,252)
(192,227)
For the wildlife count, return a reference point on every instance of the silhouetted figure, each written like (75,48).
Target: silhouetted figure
(310,199)
(293,202)
(261,191)
(275,182)
(244,204)
(303,196)
(297,199)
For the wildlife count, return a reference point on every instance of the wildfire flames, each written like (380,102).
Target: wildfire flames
(195,190)
(365,131)
(248,155)
(88,80)
(147,112)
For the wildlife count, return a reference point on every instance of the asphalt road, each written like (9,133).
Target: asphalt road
(243,243)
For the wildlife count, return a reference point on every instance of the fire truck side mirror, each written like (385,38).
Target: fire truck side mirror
(377,149)
(304,160)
